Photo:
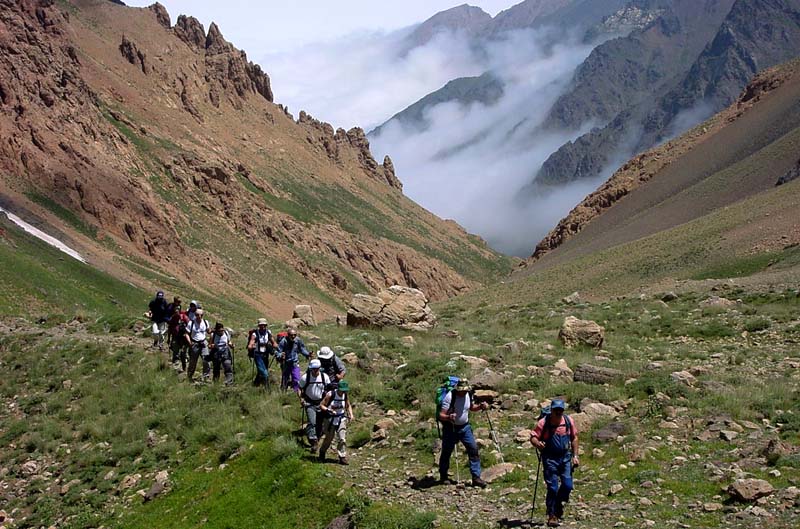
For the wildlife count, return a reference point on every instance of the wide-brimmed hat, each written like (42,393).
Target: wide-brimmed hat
(262,321)
(344,387)
(463,385)
(325,353)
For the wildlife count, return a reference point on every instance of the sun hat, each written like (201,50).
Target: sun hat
(344,387)
(314,364)
(325,353)
(463,385)
(262,321)
(558,404)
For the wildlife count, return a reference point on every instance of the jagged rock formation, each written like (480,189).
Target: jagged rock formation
(143,160)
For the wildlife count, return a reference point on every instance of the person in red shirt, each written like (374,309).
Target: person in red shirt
(556,437)
(176,327)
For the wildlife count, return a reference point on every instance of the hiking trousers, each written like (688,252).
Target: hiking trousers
(159,331)
(312,428)
(223,361)
(262,374)
(329,431)
(178,348)
(198,349)
(290,373)
(451,435)
(557,468)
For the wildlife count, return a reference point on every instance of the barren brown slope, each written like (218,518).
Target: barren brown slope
(740,152)
(158,148)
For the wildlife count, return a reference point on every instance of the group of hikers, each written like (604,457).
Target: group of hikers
(323,393)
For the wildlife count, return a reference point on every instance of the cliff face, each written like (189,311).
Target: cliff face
(690,62)
(165,142)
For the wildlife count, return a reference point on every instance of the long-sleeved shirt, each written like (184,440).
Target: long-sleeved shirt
(290,351)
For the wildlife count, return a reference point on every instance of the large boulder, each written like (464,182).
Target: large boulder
(750,489)
(576,332)
(487,379)
(305,314)
(397,306)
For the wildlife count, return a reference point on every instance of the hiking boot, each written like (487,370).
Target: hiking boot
(343,461)
(478,482)
(559,511)
(445,480)
(313,447)
(552,521)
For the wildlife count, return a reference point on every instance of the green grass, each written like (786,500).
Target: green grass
(63,213)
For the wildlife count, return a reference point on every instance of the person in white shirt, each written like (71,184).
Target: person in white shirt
(312,389)
(338,413)
(221,353)
(456,406)
(197,332)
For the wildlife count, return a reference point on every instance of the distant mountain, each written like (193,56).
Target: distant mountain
(575,16)
(646,87)
(711,172)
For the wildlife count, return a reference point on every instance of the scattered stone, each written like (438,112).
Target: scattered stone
(67,384)
(152,438)
(572,299)
(523,436)
(669,296)
(610,432)
(474,362)
(590,374)
(129,481)
(65,488)
(516,346)
(749,489)
(576,332)
(717,302)
(496,472)
(616,488)
(351,359)
(712,507)
(340,522)
(155,489)
(531,405)
(487,379)
(596,410)
(684,377)
(486,395)
(384,424)
(408,341)
(379,435)
(597,453)
(30,467)
(728,435)
(562,371)
(304,313)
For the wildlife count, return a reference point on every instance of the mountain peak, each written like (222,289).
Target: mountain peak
(465,18)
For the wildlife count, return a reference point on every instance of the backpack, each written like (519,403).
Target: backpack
(448,386)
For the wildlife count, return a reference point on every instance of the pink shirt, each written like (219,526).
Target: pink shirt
(561,430)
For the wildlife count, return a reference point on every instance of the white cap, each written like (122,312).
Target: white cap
(314,364)
(325,353)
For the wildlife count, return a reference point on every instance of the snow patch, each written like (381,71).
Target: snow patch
(52,241)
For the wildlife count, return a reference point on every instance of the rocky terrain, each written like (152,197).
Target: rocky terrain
(150,144)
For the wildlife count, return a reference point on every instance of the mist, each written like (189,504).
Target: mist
(473,163)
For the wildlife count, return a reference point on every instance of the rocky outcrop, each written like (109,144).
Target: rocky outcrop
(358,140)
(302,316)
(397,306)
(389,175)
(590,374)
(581,332)
(162,16)
(191,31)
(133,55)
(749,489)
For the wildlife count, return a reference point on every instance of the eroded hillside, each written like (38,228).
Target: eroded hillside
(153,146)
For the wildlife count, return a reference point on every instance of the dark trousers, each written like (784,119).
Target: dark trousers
(557,469)
(179,351)
(451,435)
(198,349)
(262,374)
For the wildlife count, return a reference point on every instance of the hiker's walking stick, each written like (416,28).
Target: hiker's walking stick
(536,485)
(266,382)
(458,466)
(494,435)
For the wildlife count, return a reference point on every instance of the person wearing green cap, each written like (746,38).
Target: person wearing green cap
(338,412)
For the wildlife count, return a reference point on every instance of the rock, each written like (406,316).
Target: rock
(340,522)
(30,467)
(66,384)
(487,379)
(474,362)
(304,313)
(129,481)
(712,507)
(562,371)
(452,334)
(728,435)
(531,405)
(717,302)
(590,374)
(294,323)
(597,410)
(749,489)
(683,377)
(133,55)
(610,432)
(669,296)
(598,453)
(350,359)
(486,395)
(408,341)
(576,332)
(496,472)
(398,306)
(523,436)
(162,477)
(616,488)
(65,488)
(155,489)
(775,450)
(379,435)
(645,502)
(572,299)
(384,424)
(191,31)
(516,346)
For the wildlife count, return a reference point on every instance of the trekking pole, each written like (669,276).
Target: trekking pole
(233,365)
(536,485)
(266,382)
(493,433)
(458,467)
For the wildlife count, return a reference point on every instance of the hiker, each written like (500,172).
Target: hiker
(556,437)
(260,346)
(196,332)
(332,365)
(313,385)
(176,329)
(193,306)
(221,353)
(337,412)
(171,307)
(288,354)
(159,316)
(454,416)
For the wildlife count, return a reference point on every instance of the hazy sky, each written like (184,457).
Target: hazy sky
(265,27)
